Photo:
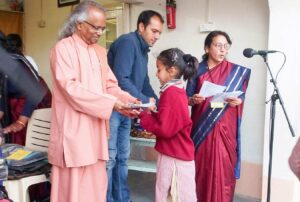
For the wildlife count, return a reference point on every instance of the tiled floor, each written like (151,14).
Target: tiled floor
(142,188)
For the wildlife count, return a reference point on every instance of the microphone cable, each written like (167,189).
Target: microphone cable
(284,60)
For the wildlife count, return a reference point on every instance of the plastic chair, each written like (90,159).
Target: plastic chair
(37,138)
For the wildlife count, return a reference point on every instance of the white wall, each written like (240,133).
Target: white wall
(247,24)
(39,41)
(245,21)
(284,35)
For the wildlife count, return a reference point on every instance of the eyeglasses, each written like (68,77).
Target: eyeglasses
(219,46)
(100,29)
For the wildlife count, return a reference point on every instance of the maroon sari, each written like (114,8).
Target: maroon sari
(216,155)
(16,107)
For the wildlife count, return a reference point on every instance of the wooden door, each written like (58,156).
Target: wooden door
(11,22)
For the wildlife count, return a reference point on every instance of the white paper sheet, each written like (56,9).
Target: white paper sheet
(221,97)
(210,89)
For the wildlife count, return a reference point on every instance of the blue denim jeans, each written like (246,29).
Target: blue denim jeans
(119,150)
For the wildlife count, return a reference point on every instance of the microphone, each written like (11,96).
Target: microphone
(249,52)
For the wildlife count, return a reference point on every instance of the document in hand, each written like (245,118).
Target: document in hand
(138,106)
(221,97)
(210,89)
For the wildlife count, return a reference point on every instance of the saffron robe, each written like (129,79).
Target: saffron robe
(216,133)
(84,93)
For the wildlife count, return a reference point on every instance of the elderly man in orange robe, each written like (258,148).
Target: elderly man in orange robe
(85,92)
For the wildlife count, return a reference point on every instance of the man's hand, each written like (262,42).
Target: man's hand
(126,110)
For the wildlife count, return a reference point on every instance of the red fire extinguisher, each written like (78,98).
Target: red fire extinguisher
(171,14)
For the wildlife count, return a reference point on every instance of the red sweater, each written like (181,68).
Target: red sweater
(171,124)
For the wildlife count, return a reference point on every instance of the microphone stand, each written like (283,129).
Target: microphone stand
(276,96)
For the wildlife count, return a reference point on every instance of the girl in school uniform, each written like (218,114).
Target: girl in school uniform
(172,126)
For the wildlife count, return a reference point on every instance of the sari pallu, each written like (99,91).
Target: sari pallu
(237,79)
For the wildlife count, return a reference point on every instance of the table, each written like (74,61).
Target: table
(142,165)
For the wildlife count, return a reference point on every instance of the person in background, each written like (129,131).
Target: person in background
(172,126)
(15,41)
(128,59)
(216,126)
(31,88)
(294,159)
(85,92)
(21,79)
(5,120)
(20,111)
(14,106)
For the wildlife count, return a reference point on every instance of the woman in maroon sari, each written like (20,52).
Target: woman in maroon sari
(216,126)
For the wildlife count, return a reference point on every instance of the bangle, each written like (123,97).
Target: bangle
(21,123)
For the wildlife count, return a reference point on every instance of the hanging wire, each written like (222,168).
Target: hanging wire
(281,65)
(284,60)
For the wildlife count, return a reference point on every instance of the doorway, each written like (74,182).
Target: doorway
(115,23)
